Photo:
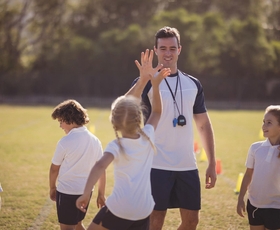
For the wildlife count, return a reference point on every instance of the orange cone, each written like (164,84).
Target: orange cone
(218,166)
(196,147)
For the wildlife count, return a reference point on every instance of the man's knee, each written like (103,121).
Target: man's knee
(190,218)
(80,226)
(67,227)
(157,220)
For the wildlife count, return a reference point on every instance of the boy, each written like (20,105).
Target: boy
(75,155)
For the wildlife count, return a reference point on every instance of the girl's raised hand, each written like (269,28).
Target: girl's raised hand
(159,76)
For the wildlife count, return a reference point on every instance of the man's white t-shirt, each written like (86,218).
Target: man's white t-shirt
(132,197)
(175,144)
(76,153)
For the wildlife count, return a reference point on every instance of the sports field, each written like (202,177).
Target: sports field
(28,138)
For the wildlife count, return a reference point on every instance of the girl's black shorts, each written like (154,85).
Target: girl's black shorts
(269,217)
(110,221)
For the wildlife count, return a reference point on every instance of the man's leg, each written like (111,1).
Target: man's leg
(189,219)
(67,227)
(157,220)
(94,226)
(80,226)
(261,227)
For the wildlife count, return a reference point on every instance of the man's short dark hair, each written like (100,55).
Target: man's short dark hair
(167,32)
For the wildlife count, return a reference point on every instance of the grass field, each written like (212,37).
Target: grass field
(28,137)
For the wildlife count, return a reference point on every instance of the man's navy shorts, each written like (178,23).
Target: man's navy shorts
(67,211)
(269,217)
(110,221)
(176,189)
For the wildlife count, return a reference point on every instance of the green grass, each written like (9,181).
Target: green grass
(28,138)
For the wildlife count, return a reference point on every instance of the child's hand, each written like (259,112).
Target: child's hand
(159,76)
(100,201)
(53,194)
(240,208)
(82,203)
(146,67)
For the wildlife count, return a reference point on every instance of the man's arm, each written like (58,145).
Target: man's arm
(206,134)
(137,89)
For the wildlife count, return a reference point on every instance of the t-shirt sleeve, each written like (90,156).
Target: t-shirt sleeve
(99,150)
(113,148)
(150,132)
(199,104)
(250,158)
(59,154)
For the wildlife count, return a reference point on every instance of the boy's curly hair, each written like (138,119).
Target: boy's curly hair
(71,111)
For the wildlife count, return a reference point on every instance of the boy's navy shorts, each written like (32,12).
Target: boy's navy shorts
(269,217)
(176,189)
(110,221)
(67,211)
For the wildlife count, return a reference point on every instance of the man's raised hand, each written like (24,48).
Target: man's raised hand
(146,67)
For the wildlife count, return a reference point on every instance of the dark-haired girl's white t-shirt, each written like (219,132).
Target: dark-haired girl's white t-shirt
(264,189)
(131,198)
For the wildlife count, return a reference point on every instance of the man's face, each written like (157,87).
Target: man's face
(167,52)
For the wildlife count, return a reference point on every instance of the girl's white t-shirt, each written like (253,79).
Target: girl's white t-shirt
(264,189)
(131,198)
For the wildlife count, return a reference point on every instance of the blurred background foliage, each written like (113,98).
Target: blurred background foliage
(88,47)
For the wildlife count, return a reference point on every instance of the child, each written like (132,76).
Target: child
(131,202)
(75,155)
(262,177)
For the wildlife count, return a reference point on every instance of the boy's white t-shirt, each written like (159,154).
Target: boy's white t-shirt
(264,189)
(76,153)
(132,197)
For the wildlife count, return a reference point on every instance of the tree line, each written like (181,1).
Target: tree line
(87,48)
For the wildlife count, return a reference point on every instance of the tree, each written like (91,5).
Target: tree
(248,55)
(92,17)
(24,25)
(192,6)
(240,9)
(271,19)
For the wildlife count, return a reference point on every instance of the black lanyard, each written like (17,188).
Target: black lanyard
(174,95)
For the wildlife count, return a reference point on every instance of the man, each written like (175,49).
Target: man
(174,175)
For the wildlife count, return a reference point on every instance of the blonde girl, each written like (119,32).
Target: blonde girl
(131,202)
